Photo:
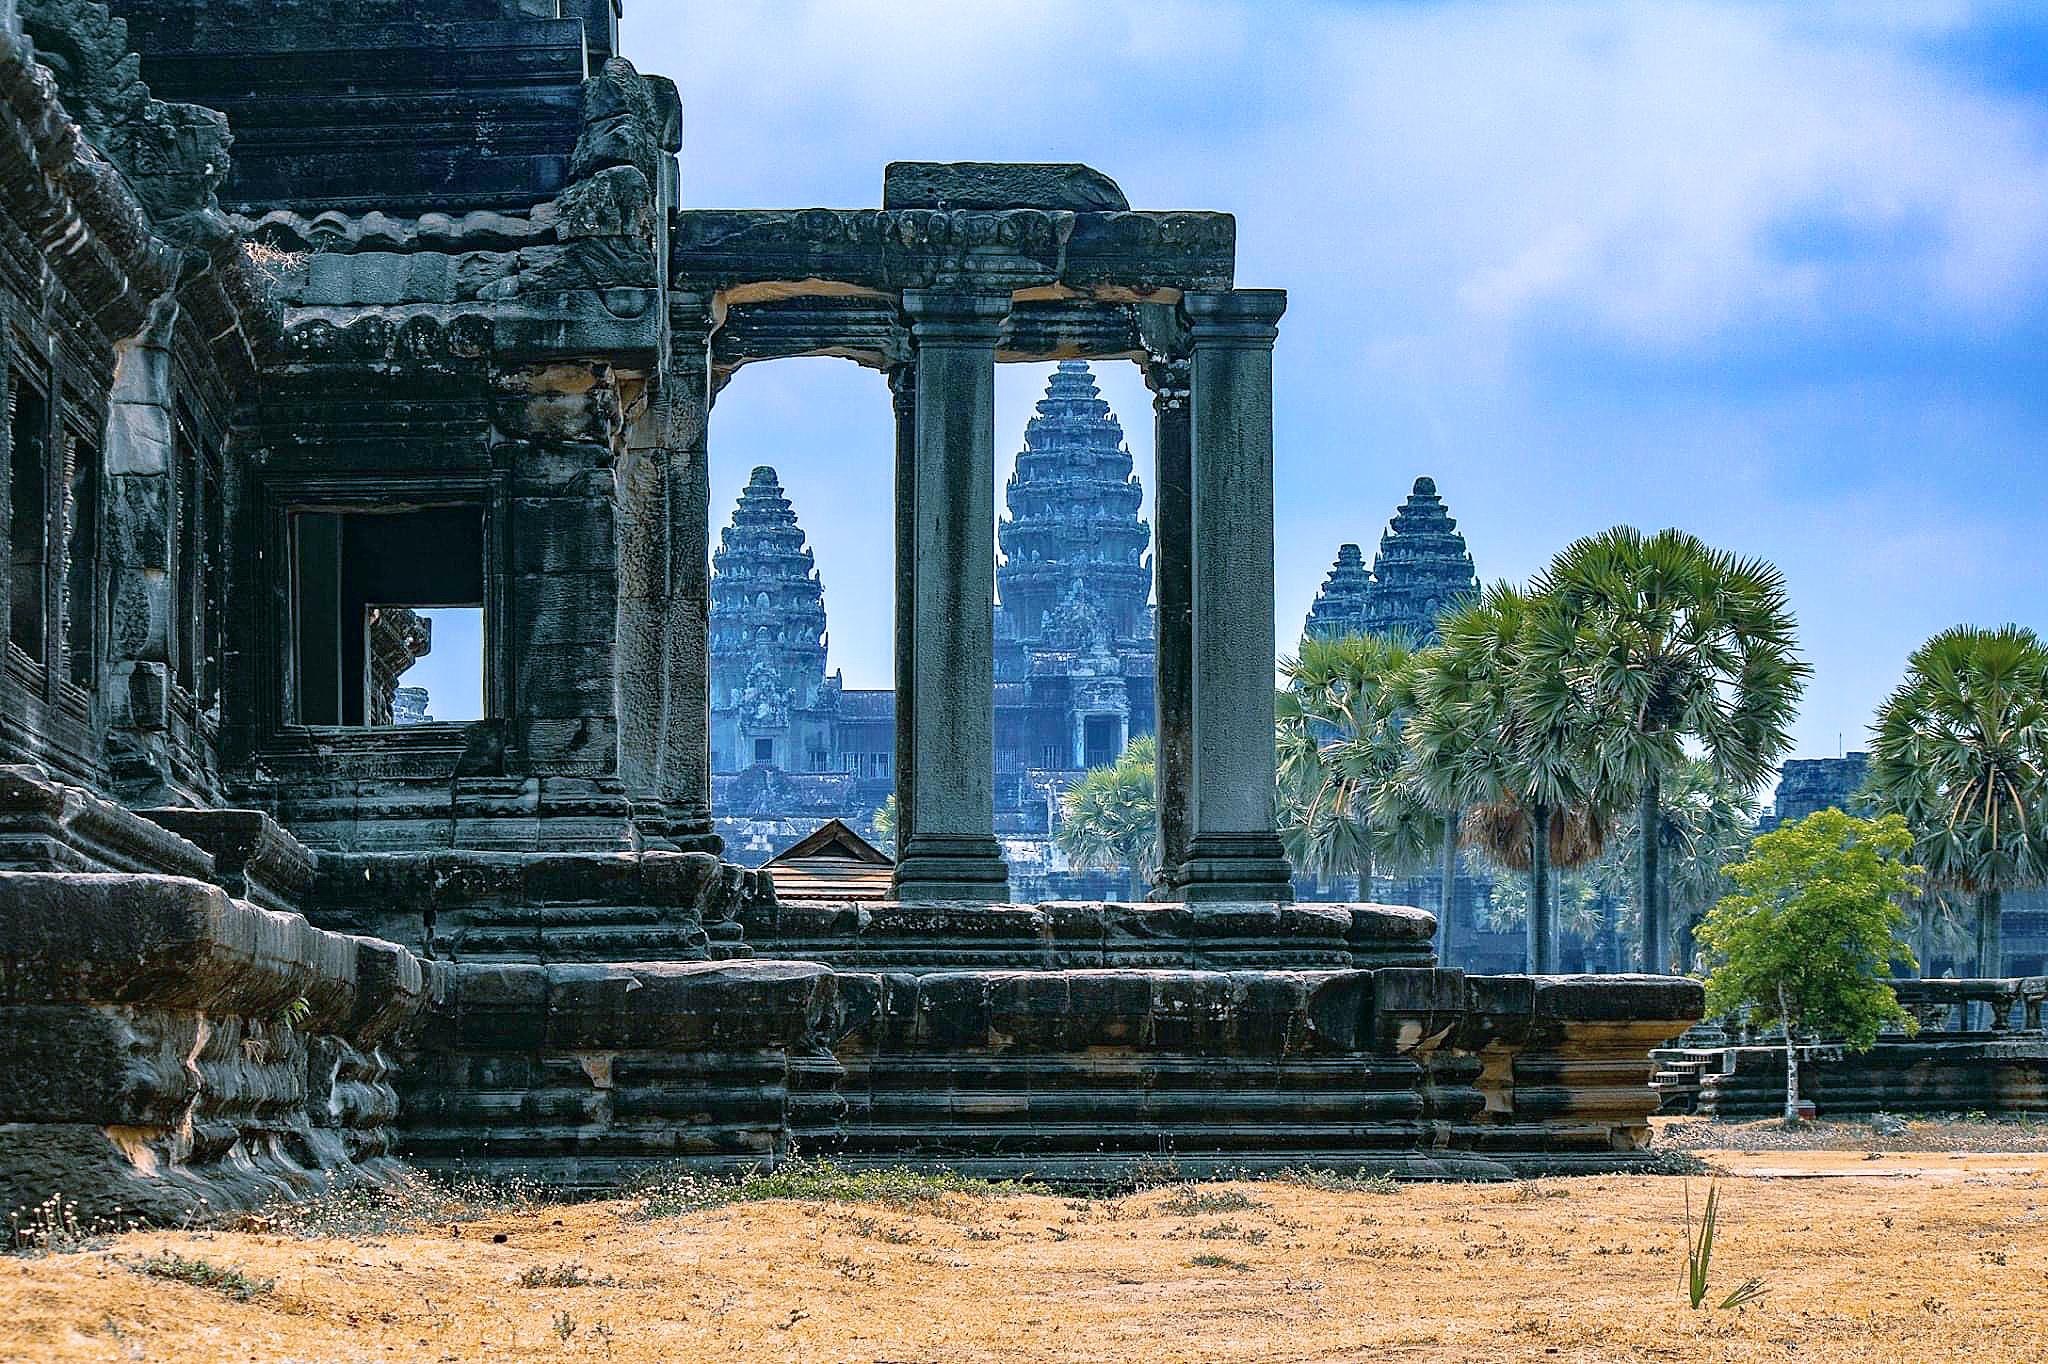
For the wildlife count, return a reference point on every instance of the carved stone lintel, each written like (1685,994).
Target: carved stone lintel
(755,254)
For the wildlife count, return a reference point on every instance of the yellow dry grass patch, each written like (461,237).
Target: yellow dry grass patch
(1910,1257)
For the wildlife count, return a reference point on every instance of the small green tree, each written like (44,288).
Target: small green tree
(1810,934)
(1111,817)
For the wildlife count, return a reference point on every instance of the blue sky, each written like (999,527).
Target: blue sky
(1775,274)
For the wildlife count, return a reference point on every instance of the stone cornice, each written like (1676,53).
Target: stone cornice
(88,222)
(872,331)
(752,254)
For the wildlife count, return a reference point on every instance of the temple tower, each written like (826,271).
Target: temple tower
(1339,607)
(768,637)
(1073,537)
(1074,659)
(1422,569)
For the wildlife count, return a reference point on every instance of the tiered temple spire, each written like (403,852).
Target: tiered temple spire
(1422,569)
(768,635)
(1073,533)
(1339,607)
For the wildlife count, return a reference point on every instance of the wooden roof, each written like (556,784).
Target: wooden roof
(832,863)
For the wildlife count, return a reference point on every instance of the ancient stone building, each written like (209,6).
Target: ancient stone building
(1339,607)
(1074,656)
(791,747)
(395,309)
(1422,568)
(1807,785)
(768,640)
(1074,650)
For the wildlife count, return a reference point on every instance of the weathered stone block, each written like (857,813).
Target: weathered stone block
(999,185)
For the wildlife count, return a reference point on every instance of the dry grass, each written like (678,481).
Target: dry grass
(1911,1257)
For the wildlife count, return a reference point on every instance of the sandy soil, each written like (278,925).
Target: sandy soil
(2028,1134)
(1907,1257)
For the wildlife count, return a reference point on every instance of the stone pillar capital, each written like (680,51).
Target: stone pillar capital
(1242,317)
(952,317)
(1167,376)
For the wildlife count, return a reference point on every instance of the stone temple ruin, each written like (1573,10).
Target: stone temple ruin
(323,314)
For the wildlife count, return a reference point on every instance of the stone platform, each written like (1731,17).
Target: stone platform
(1980,1048)
(1975,1072)
(175,1030)
(582,1075)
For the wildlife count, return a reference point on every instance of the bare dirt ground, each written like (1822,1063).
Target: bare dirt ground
(1906,1257)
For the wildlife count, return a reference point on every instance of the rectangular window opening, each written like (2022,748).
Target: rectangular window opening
(81,584)
(28,475)
(1099,740)
(389,616)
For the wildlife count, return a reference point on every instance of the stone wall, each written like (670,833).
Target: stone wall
(1934,1073)
(585,1075)
(172,1051)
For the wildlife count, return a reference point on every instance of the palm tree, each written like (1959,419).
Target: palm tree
(1671,643)
(1703,825)
(1112,817)
(1500,734)
(883,822)
(1345,806)
(1961,750)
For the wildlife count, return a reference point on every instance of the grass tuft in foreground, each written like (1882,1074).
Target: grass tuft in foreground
(412,1200)
(229,1282)
(1329,1181)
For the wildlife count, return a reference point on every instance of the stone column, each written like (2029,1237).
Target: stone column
(640,520)
(665,596)
(903,400)
(951,853)
(1233,852)
(1173,588)
(141,527)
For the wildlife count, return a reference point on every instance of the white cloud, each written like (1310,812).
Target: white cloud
(1460,198)
(1628,165)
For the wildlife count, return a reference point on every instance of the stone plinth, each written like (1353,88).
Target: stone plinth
(583,1075)
(173,1051)
(651,906)
(1085,935)
(1933,1073)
